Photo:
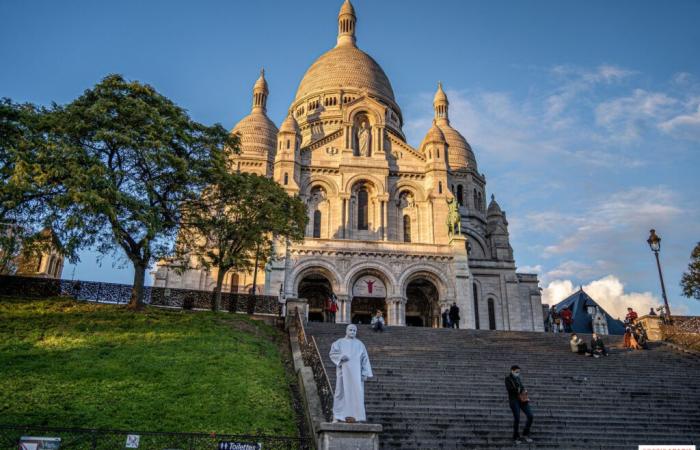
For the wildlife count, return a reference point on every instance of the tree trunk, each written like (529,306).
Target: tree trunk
(136,301)
(216,303)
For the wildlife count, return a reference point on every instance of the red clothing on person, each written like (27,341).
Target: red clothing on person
(566,316)
(631,316)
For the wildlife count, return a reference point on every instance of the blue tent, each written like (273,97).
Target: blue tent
(579,303)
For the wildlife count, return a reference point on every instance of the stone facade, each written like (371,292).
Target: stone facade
(378,234)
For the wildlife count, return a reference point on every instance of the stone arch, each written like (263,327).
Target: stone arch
(362,108)
(319,180)
(499,312)
(425,293)
(313,267)
(445,288)
(366,177)
(479,248)
(408,185)
(378,269)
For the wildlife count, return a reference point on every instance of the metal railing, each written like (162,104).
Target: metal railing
(92,439)
(312,358)
(121,293)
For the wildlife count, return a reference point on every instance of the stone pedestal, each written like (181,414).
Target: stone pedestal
(348,436)
(653,326)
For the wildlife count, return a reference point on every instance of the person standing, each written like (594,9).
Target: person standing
(567,318)
(519,402)
(597,346)
(446,318)
(332,308)
(631,316)
(454,315)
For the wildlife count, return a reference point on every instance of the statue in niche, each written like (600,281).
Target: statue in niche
(453,218)
(406,200)
(363,139)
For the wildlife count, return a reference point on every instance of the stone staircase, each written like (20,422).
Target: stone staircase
(444,389)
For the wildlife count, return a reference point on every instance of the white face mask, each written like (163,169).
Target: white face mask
(351,331)
(516,374)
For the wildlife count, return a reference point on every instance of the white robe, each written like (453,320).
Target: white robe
(349,396)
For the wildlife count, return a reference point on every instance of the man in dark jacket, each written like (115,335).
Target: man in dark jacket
(515,388)
(454,315)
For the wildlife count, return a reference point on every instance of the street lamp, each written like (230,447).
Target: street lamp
(654,242)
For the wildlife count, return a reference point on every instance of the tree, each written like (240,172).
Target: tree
(127,158)
(22,196)
(238,218)
(690,282)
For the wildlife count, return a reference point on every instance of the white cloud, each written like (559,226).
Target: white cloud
(608,291)
(683,125)
(530,269)
(624,117)
(613,217)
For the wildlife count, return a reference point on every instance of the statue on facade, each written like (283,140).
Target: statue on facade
(352,370)
(363,139)
(454,220)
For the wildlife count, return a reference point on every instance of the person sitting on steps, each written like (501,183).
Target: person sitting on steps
(378,321)
(518,401)
(598,347)
(578,346)
(630,342)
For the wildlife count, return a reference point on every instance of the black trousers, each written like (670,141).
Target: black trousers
(516,407)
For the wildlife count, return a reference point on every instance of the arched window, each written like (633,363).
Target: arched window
(288,144)
(492,315)
(476,201)
(460,195)
(481,202)
(452,188)
(362,209)
(475,289)
(286,178)
(437,153)
(439,187)
(317,224)
(406,228)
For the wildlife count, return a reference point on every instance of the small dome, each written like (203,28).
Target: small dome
(347,8)
(258,134)
(459,152)
(289,125)
(440,96)
(494,207)
(434,135)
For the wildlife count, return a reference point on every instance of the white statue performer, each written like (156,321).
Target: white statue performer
(352,369)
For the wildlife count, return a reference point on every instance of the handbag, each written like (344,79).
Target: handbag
(523,397)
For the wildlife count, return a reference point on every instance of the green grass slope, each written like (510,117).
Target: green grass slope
(72,364)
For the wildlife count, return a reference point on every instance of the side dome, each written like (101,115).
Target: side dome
(459,152)
(434,135)
(258,134)
(345,67)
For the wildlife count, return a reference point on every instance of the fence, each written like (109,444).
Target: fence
(87,439)
(120,294)
(312,358)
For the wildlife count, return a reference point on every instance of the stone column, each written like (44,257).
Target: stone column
(340,315)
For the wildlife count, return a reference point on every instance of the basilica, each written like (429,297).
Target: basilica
(393,227)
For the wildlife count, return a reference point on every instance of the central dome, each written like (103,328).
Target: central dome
(345,67)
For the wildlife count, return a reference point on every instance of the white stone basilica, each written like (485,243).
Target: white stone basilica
(378,234)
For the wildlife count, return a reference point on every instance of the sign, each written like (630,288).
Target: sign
(369,286)
(132,441)
(39,443)
(224,445)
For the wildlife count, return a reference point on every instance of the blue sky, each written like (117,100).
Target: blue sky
(584,116)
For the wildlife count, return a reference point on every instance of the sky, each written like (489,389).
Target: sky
(584,116)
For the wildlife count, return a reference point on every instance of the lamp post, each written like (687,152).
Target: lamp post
(654,242)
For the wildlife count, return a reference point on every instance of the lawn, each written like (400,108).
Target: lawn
(65,363)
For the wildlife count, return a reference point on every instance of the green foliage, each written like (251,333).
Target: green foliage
(126,158)
(71,364)
(21,194)
(237,219)
(690,282)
